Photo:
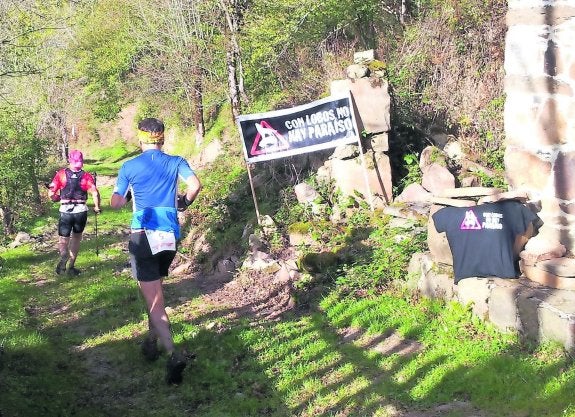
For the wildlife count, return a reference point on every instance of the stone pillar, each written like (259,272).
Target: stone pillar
(540,110)
(372,101)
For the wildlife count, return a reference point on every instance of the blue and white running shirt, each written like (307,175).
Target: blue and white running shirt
(152,178)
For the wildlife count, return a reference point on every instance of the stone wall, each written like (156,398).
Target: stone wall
(535,312)
(540,110)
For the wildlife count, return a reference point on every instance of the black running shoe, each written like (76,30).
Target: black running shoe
(74,272)
(174,369)
(61,267)
(150,349)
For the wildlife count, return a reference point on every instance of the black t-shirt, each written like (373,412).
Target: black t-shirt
(481,237)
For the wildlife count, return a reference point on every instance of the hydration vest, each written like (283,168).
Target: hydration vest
(72,191)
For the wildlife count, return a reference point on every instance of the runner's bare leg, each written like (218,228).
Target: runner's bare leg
(63,243)
(63,249)
(158,321)
(74,248)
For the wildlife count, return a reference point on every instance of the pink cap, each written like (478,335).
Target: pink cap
(76,159)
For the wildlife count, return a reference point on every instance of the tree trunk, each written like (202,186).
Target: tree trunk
(402,12)
(233,85)
(7,220)
(64,142)
(241,88)
(199,110)
(233,12)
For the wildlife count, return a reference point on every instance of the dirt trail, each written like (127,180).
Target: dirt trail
(262,298)
(106,180)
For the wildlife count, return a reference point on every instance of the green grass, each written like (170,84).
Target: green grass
(71,349)
(107,160)
(71,344)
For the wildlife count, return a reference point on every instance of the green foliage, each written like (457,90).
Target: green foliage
(186,145)
(26,48)
(220,125)
(278,38)
(22,159)
(377,65)
(269,101)
(70,346)
(492,138)
(428,78)
(290,211)
(146,108)
(118,151)
(104,50)
(223,208)
(182,66)
(300,227)
(497,181)
(383,261)
(411,166)
(469,358)
(360,218)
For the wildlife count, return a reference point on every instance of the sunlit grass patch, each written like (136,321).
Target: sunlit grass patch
(121,333)
(118,151)
(76,339)
(23,340)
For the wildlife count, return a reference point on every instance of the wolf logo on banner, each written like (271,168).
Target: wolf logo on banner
(268,140)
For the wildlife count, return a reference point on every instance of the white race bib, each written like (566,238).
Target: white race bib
(160,240)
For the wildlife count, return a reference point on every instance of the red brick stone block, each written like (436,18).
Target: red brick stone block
(550,273)
(525,170)
(563,173)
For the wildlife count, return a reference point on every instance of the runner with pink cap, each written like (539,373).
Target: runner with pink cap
(70,187)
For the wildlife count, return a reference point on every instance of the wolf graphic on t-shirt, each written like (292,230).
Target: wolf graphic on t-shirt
(470,221)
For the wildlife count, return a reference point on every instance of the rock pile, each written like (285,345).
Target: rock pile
(543,259)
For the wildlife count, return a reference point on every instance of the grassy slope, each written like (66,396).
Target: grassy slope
(70,348)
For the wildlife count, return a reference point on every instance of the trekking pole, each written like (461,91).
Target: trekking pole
(96,219)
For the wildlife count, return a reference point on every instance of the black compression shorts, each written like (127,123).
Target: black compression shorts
(72,222)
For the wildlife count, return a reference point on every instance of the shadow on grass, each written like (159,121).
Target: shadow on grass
(318,372)
(76,353)
(71,347)
(68,374)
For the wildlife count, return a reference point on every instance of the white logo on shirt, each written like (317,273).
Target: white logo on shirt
(492,221)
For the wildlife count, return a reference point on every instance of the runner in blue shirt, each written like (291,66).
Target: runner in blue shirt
(151,179)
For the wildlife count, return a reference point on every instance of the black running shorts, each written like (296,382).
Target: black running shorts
(72,222)
(145,266)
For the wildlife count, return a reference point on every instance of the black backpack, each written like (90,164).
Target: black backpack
(72,190)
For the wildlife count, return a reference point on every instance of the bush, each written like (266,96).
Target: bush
(383,258)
